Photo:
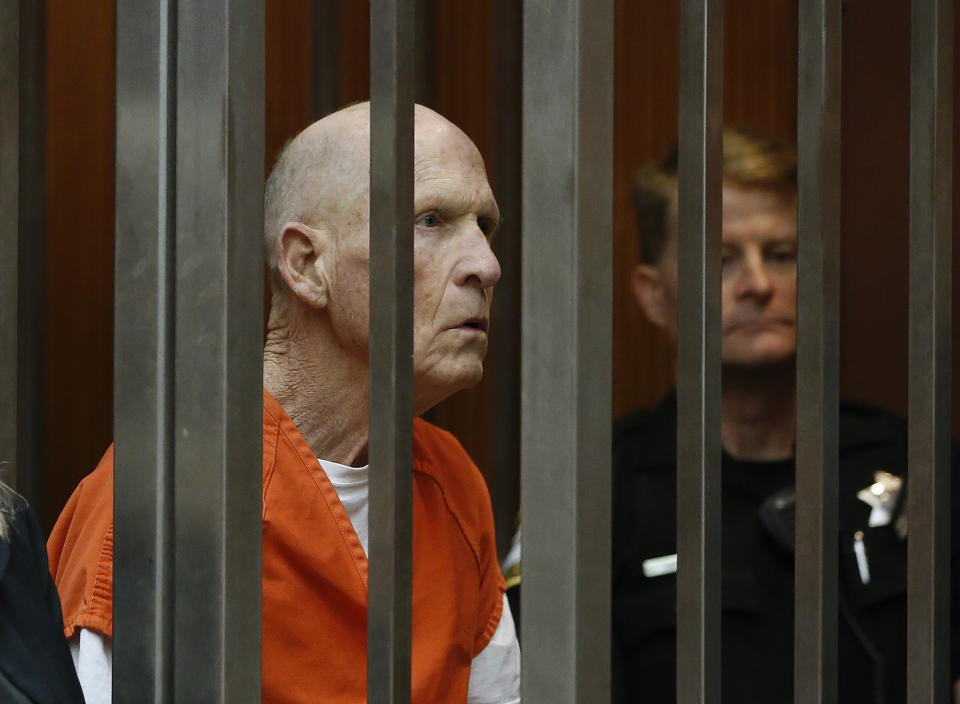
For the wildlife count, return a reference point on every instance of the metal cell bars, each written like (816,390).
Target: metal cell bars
(391,351)
(188,355)
(10,81)
(929,502)
(566,341)
(818,303)
(698,352)
(22,150)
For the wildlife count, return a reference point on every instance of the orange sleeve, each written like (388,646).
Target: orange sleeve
(80,550)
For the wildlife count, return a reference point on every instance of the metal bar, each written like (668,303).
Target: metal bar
(931,156)
(391,350)
(143,351)
(818,353)
(698,352)
(218,334)
(10,81)
(566,364)
(22,249)
(325,57)
(505,347)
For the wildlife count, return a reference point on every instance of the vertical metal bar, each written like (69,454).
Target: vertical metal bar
(818,343)
(566,366)
(931,156)
(218,334)
(143,351)
(22,236)
(698,352)
(10,81)
(391,350)
(325,57)
(505,350)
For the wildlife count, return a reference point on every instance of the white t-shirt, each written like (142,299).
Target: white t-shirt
(494,673)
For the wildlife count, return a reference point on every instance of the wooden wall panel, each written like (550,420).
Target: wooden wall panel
(876,131)
(287,75)
(79,306)
(760,88)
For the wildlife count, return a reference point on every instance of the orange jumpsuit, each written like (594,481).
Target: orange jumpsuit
(315,570)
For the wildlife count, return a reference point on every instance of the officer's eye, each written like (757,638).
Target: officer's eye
(783,255)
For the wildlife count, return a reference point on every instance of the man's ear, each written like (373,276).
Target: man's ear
(301,261)
(648,290)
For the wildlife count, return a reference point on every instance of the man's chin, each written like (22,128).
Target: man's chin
(437,386)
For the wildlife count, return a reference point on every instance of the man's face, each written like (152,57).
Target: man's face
(759,276)
(455,215)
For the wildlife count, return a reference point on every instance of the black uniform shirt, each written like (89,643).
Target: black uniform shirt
(757,580)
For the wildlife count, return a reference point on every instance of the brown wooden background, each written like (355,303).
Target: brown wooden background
(464,42)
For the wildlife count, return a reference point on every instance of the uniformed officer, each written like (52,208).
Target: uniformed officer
(758,436)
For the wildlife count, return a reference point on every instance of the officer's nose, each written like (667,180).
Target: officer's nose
(755,279)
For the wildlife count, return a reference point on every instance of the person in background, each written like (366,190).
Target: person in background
(758,433)
(315,420)
(35,664)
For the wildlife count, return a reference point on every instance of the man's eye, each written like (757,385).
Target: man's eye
(782,255)
(486,226)
(430,220)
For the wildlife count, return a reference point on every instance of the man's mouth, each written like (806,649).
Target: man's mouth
(480,324)
(757,324)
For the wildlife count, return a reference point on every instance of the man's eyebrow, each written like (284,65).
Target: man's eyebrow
(441,199)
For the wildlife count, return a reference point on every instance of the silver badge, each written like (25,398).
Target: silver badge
(882,497)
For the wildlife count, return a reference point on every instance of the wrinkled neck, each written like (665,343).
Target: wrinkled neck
(320,385)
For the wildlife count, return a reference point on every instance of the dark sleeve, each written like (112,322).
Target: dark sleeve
(48,590)
(955,569)
(34,654)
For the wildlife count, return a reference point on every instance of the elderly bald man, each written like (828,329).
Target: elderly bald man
(315,411)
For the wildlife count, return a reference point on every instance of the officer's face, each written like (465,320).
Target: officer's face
(759,277)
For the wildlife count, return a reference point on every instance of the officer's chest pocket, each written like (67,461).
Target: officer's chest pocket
(873,566)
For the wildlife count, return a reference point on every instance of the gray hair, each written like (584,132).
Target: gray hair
(10,504)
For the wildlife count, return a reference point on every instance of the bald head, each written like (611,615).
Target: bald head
(322,176)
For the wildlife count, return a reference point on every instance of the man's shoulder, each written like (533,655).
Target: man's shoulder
(80,551)
(440,459)
(438,454)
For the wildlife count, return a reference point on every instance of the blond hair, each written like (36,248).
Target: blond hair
(748,159)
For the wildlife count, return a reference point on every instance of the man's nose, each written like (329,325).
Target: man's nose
(481,267)
(755,279)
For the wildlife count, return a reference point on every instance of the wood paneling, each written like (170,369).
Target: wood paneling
(79,306)
(760,89)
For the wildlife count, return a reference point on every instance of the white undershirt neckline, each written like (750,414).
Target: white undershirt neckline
(495,671)
(353,488)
